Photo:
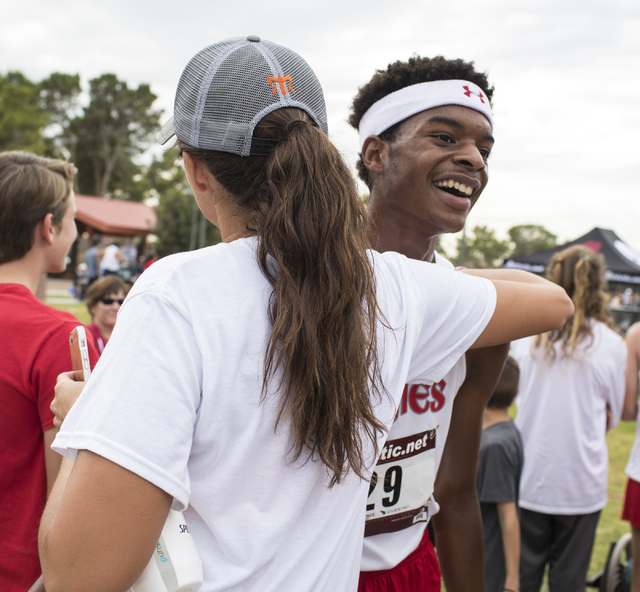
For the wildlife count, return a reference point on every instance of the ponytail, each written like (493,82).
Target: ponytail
(580,272)
(302,202)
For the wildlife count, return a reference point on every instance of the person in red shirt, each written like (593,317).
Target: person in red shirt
(37,228)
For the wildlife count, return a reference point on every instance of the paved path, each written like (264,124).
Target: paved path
(58,291)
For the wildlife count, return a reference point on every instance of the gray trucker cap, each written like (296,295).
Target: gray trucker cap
(228,87)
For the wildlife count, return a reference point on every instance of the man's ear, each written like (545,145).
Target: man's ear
(45,230)
(374,154)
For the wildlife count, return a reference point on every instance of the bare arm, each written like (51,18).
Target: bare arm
(510,530)
(630,409)
(56,493)
(52,459)
(461,557)
(100,526)
(526,305)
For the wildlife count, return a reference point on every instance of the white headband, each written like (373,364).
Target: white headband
(408,101)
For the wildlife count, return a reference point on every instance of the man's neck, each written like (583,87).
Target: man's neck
(388,233)
(22,271)
(493,415)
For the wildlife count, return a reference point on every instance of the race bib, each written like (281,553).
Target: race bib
(401,484)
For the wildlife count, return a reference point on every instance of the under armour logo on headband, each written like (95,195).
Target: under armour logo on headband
(402,104)
(468,92)
(281,82)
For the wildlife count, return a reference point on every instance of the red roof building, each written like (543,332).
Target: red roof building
(109,217)
(115,216)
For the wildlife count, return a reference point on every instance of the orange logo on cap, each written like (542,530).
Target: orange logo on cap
(281,82)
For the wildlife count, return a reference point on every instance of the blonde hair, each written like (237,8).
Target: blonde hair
(580,271)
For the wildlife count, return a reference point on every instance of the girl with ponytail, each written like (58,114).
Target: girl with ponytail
(303,204)
(252,384)
(572,383)
(580,272)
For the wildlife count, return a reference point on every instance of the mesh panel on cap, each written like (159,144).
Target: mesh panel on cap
(308,91)
(228,87)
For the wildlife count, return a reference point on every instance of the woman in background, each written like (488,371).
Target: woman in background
(571,393)
(104,299)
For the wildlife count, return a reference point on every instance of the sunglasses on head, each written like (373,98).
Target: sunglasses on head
(110,301)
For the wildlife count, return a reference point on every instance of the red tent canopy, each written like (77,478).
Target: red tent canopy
(115,216)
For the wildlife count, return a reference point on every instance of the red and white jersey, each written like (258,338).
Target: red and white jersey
(400,502)
(633,466)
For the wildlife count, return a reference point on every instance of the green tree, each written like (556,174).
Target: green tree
(130,181)
(21,115)
(35,116)
(482,249)
(113,129)
(530,238)
(58,96)
(181,225)
(103,140)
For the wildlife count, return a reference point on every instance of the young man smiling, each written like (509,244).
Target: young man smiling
(425,130)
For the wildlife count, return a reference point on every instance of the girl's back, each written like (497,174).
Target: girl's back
(571,391)
(254,524)
(562,416)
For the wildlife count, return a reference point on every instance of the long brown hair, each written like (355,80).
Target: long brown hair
(302,202)
(580,272)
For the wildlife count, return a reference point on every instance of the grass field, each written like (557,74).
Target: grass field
(70,304)
(620,440)
(611,528)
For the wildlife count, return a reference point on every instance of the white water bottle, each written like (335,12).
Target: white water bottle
(175,565)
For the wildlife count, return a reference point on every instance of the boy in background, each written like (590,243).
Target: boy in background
(37,229)
(498,481)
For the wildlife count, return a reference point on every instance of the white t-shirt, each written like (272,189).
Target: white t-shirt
(633,466)
(110,261)
(176,399)
(562,419)
(397,515)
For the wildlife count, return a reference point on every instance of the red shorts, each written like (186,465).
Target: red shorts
(631,509)
(420,572)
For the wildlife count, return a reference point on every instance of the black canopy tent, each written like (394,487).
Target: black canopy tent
(623,262)
(623,269)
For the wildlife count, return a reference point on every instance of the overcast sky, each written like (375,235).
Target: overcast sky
(566,73)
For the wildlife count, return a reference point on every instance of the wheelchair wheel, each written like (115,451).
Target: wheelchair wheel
(617,571)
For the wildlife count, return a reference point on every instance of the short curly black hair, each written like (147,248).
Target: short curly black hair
(401,74)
